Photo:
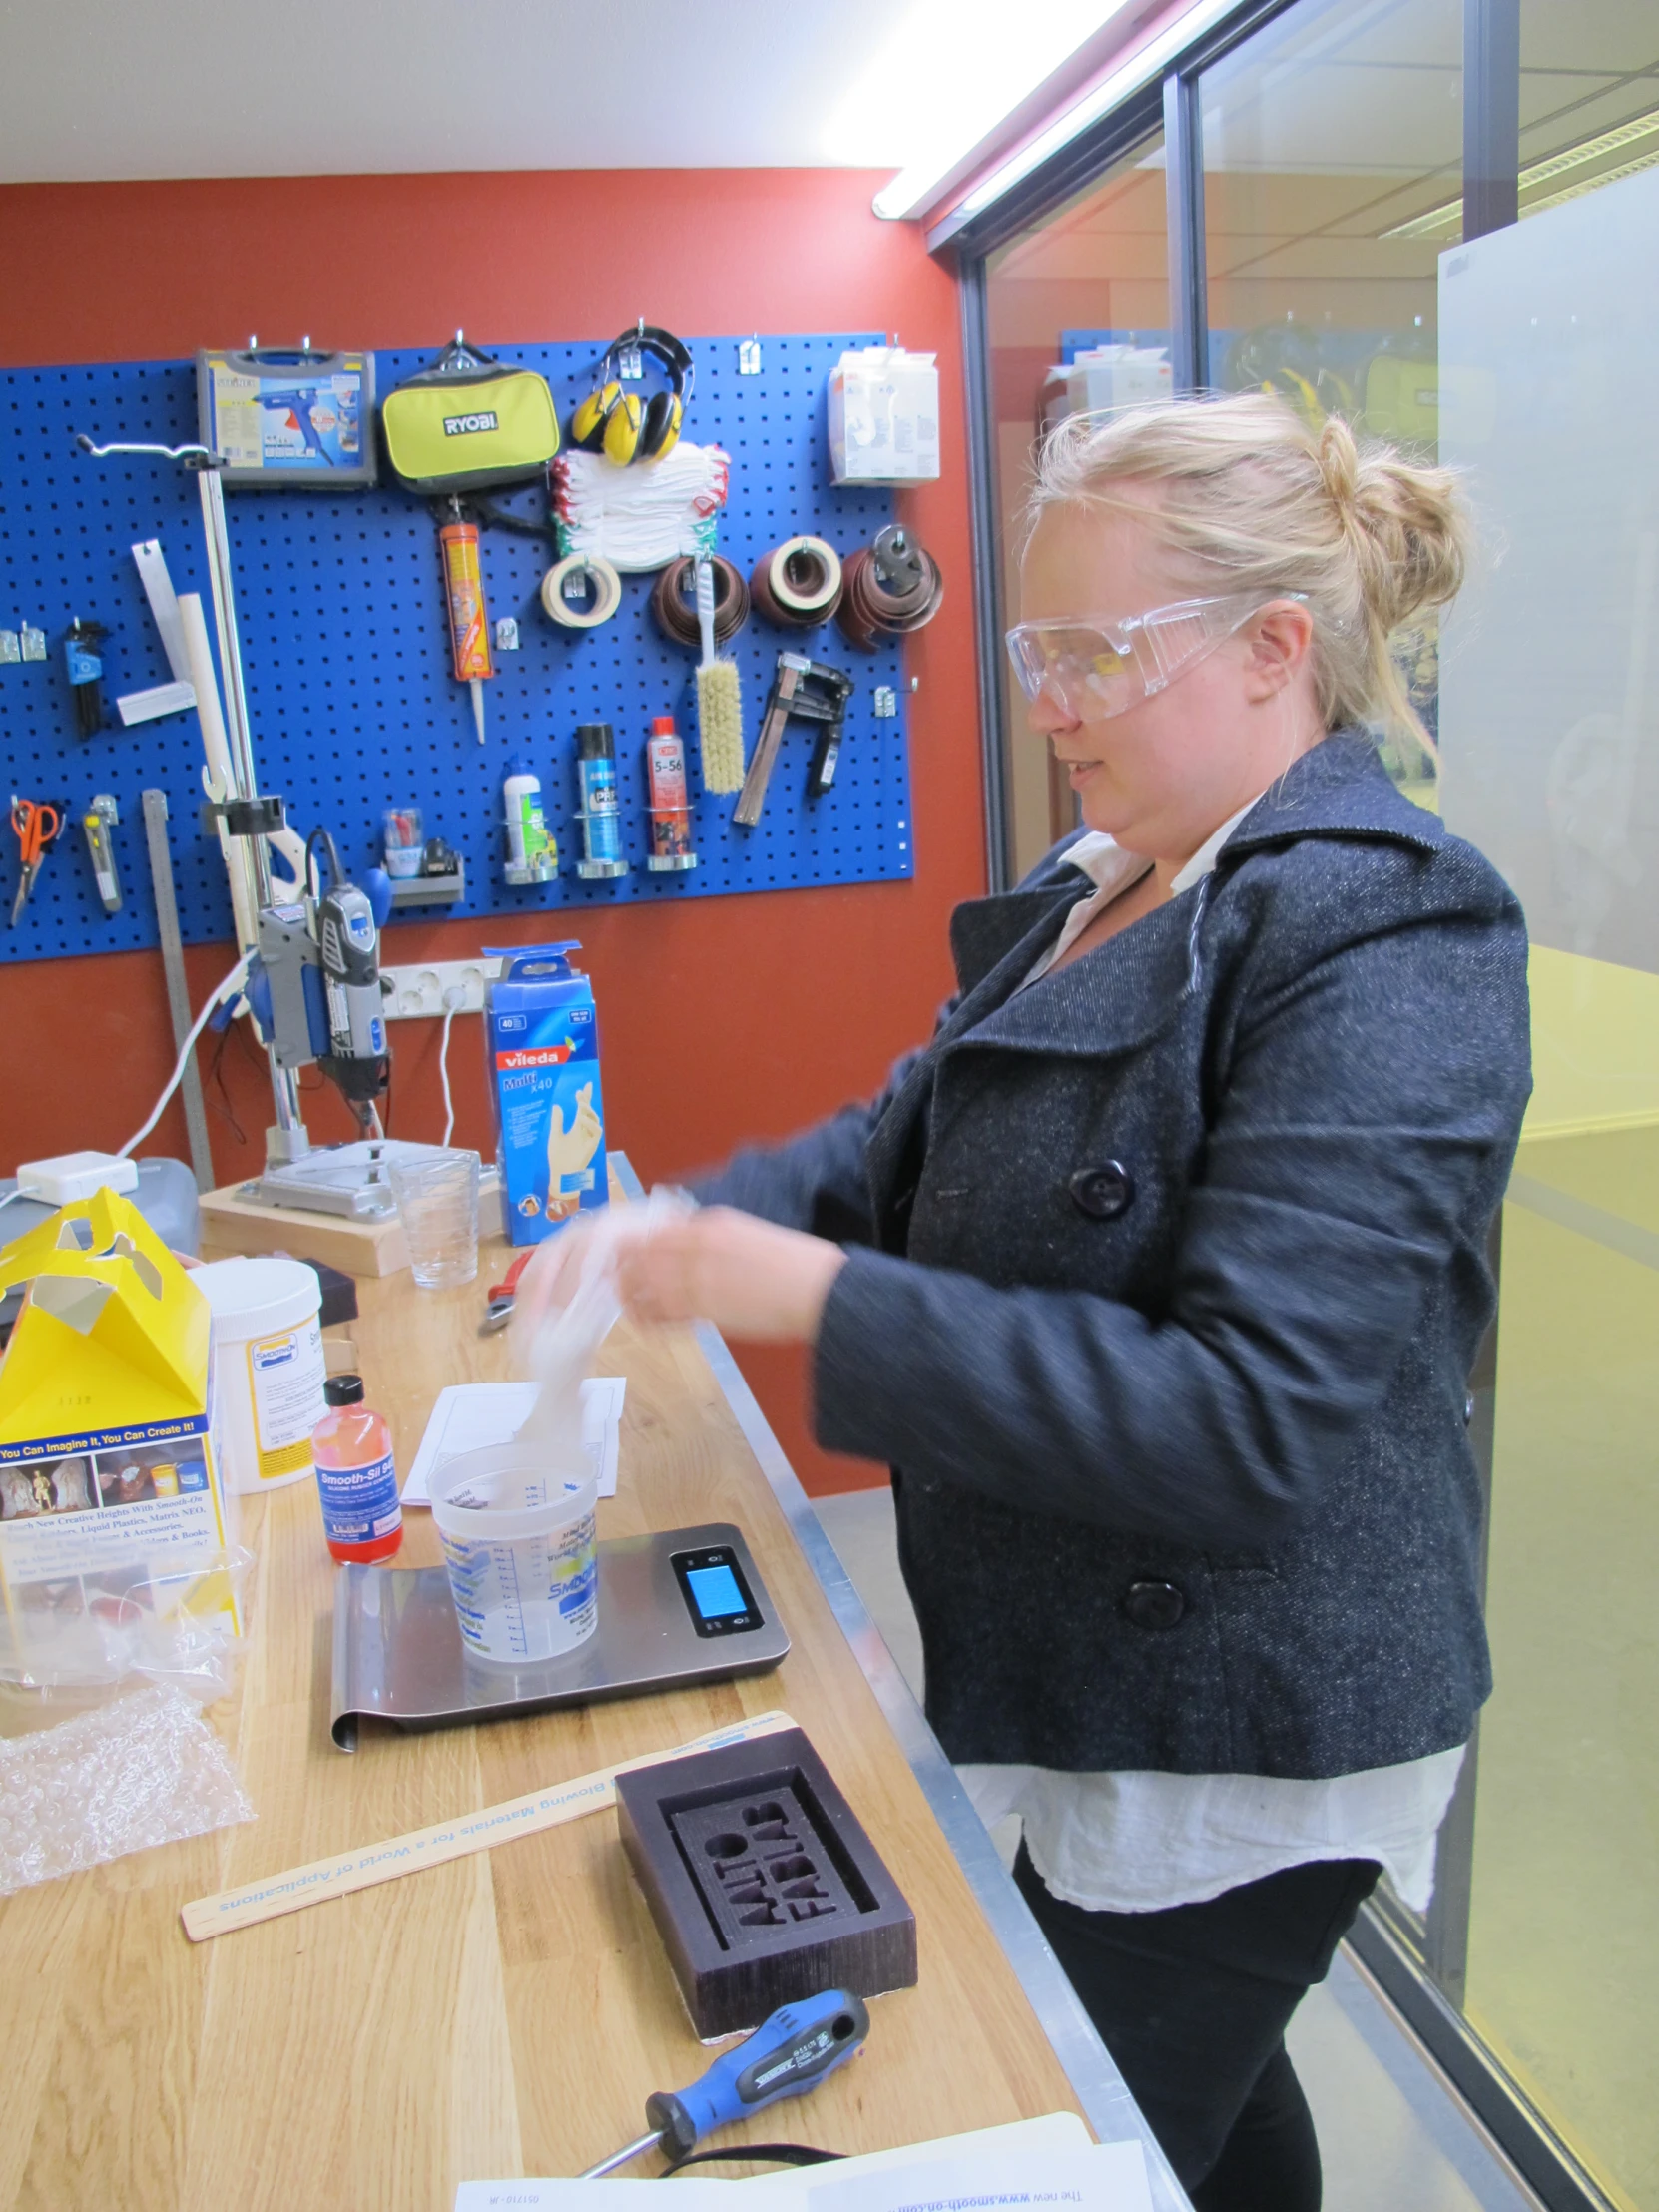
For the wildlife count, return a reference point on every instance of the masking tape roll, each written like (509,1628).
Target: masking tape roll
(804,576)
(570,614)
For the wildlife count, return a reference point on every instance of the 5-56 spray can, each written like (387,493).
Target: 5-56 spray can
(665,775)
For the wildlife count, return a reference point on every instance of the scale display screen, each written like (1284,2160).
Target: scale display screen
(717,1596)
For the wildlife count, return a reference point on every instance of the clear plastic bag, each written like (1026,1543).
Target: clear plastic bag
(98,1633)
(144,1769)
(555,1345)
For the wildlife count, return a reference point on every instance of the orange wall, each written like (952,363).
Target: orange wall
(722,1019)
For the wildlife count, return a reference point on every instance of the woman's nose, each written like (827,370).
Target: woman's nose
(1046,718)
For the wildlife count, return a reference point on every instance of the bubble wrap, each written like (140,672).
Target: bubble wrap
(144,1770)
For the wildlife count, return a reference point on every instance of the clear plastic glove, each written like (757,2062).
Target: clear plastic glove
(566,1305)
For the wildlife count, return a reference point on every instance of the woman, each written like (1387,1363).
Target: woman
(1157,1276)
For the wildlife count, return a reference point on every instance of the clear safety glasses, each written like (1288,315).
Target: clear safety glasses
(1093,668)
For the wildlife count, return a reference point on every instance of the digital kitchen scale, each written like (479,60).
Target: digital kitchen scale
(684,1605)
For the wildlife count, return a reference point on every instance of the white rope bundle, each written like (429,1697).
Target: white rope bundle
(643,516)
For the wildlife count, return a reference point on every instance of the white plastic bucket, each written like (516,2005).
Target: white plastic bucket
(519,1544)
(268,1367)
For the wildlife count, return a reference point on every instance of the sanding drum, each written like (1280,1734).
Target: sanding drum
(798,585)
(889,588)
(674,601)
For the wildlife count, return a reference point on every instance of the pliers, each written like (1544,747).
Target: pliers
(499,1310)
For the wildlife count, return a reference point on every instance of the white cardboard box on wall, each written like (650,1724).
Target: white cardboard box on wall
(884,417)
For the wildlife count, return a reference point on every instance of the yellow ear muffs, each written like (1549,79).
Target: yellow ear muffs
(623,423)
(665,412)
(587,424)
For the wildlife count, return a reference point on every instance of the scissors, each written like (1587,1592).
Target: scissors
(36,823)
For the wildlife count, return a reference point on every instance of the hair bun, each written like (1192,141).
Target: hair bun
(1338,464)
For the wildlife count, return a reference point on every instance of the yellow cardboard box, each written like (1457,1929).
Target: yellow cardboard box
(111,1496)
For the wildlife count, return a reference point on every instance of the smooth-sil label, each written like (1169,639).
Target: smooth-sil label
(285,1374)
(359,1503)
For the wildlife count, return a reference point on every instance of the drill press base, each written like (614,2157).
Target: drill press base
(345,1179)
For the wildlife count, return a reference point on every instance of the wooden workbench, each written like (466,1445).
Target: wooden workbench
(509,2012)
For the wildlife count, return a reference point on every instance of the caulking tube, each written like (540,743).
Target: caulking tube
(220,781)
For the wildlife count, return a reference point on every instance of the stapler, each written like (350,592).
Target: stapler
(815,693)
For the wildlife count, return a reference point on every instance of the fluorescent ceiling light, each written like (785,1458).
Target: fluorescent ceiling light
(955,83)
(1447,218)
(1148,63)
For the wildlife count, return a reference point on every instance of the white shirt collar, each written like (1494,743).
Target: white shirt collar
(1111,869)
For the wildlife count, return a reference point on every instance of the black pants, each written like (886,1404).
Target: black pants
(1193,2004)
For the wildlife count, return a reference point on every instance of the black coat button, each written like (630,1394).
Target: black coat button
(1152,1604)
(1468,1411)
(1103,1192)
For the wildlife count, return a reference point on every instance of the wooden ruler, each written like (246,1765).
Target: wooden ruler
(431,1847)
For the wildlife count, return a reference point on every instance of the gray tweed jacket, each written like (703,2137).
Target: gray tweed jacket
(1167,1276)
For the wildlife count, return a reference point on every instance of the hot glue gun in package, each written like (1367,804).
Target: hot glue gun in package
(542,1037)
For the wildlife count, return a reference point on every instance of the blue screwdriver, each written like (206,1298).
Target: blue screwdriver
(786,2056)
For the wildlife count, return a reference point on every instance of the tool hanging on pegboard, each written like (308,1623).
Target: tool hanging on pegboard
(889,588)
(82,651)
(815,693)
(349,676)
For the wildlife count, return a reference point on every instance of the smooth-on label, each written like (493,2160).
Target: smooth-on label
(359,1503)
(530,1598)
(286,1374)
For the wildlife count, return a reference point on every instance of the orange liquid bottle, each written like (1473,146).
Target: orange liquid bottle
(355,1474)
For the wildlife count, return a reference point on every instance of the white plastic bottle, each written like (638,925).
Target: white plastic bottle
(532,857)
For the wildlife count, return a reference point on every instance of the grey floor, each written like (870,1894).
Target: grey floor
(1392,2133)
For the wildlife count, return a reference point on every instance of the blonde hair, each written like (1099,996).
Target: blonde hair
(1249,498)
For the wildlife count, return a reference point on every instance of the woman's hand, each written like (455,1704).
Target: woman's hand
(753,1280)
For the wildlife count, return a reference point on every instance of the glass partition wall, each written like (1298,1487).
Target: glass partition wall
(1077,317)
(1301,228)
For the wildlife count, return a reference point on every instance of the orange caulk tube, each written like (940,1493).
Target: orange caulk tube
(469,630)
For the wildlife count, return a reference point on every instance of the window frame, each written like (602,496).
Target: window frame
(1418,1965)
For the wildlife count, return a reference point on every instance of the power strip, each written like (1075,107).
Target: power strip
(424,993)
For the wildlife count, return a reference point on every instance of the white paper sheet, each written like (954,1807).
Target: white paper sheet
(1037,2164)
(1098,2177)
(470,1415)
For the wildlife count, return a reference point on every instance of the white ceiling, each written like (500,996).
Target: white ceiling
(105,89)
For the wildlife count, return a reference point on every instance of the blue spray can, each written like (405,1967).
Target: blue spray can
(596,765)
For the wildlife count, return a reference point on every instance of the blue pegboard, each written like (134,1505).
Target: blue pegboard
(344,644)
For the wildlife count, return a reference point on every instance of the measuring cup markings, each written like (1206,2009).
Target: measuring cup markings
(523,1571)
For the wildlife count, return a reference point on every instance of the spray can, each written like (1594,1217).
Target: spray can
(469,630)
(601,824)
(532,855)
(665,775)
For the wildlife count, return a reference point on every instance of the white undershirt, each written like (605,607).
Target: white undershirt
(1142,1841)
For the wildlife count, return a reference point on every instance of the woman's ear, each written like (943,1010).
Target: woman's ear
(1277,645)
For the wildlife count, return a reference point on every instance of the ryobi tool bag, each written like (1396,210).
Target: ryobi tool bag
(466,423)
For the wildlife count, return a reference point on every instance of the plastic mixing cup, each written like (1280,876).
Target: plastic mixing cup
(437,1203)
(519,1544)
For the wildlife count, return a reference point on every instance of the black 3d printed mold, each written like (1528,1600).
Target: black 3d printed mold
(763,1883)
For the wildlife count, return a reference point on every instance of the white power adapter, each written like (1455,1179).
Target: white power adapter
(75,1175)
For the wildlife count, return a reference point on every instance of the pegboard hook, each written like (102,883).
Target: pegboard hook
(193,456)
